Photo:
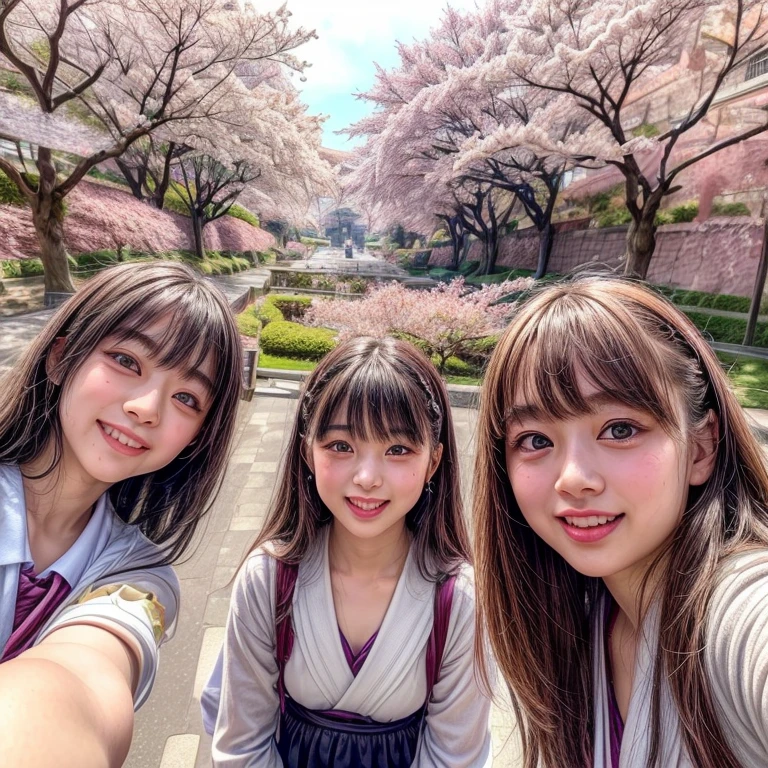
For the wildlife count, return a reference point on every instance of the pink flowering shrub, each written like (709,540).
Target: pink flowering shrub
(101,217)
(444,320)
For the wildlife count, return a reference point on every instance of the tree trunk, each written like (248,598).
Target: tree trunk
(50,236)
(197,231)
(137,184)
(641,242)
(546,241)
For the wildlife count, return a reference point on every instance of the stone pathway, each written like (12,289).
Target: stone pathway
(169,730)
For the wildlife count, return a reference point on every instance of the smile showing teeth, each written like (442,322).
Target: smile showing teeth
(589,522)
(368,506)
(116,434)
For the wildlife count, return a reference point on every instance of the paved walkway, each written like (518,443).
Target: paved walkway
(169,731)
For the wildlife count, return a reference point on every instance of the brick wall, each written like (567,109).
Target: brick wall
(719,255)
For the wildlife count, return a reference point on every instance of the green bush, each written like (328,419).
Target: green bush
(297,341)
(730,209)
(31,267)
(238,212)
(358,285)
(495,279)
(684,212)
(724,301)
(613,217)
(240,263)
(9,192)
(455,366)
(292,307)
(11,268)
(268,313)
(174,199)
(662,217)
(729,303)
(318,241)
(645,129)
(248,323)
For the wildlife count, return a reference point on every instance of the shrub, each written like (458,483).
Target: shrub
(318,241)
(646,129)
(294,340)
(412,257)
(730,209)
(358,285)
(92,261)
(174,199)
(291,307)
(455,366)
(31,267)
(728,303)
(240,263)
(9,192)
(684,212)
(498,277)
(613,217)
(468,268)
(238,212)
(248,323)
(267,312)
(724,301)
(662,217)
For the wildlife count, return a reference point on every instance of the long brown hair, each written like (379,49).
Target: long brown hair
(536,609)
(168,504)
(388,388)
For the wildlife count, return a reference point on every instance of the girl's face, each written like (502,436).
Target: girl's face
(605,490)
(122,415)
(370,486)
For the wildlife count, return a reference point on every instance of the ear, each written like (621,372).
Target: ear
(705,443)
(53,359)
(434,461)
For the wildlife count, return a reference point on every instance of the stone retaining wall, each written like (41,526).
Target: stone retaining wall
(719,255)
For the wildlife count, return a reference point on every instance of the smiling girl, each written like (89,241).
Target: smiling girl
(622,536)
(114,428)
(350,634)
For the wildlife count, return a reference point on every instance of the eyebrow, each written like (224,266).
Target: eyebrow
(526,411)
(153,348)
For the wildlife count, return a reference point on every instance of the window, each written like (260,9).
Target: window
(757,65)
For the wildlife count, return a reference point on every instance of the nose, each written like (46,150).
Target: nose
(367,473)
(579,475)
(144,407)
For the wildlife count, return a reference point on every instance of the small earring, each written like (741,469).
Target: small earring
(310,477)
(429,487)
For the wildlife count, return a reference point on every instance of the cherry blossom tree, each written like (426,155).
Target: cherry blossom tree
(132,68)
(595,58)
(444,320)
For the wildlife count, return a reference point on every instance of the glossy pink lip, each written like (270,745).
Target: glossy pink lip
(588,535)
(118,446)
(365,514)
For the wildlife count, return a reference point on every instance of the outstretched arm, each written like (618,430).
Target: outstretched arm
(68,702)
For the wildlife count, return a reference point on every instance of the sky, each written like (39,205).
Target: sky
(353,34)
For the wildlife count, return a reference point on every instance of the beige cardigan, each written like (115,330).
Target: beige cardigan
(736,660)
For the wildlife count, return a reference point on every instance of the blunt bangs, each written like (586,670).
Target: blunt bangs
(560,338)
(377,404)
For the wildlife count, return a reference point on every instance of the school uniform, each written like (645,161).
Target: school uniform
(319,676)
(736,663)
(94,581)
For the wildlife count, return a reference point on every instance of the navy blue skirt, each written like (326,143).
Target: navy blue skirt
(314,740)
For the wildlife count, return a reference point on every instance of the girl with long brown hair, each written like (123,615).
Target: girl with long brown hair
(114,434)
(349,641)
(621,522)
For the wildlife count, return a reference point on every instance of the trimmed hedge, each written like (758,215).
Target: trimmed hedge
(291,307)
(318,241)
(248,323)
(268,313)
(297,341)
(724,301)
(730,209)
(238,212)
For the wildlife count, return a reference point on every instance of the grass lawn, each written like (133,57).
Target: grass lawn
(285,363)
(749,377)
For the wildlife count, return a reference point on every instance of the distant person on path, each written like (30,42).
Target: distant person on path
(114,429)
(621,523)
(348,248)
(350,635)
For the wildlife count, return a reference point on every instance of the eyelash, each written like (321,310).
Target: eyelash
(195,405)
(336,443)
(518,443)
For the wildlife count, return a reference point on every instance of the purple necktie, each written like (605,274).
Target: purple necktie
(36,600)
